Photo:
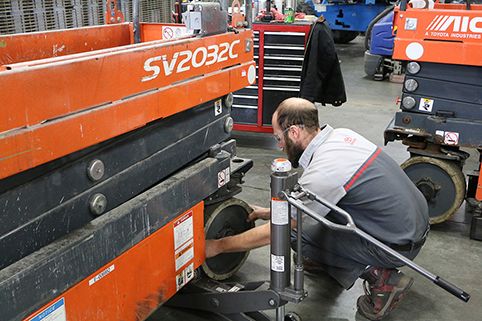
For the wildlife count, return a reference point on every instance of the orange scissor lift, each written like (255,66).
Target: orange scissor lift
(109,152)
(441,103)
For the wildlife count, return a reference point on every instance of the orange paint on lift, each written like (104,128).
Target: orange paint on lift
(46,44)
(28,147)
(133,285)
(422,34)
(54,107)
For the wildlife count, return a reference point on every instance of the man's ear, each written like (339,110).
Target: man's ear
(295,133)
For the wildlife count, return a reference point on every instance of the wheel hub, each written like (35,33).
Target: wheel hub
(428,188)
(225,219)
(441,182)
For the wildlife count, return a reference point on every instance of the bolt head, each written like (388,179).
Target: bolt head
(407,120)
(228,125)
(95,170)
(98,204)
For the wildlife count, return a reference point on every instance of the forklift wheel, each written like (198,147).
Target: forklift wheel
(292,316)
(441,182)
(225,219)
(344,36)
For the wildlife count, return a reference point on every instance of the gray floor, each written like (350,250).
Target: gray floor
(448,252)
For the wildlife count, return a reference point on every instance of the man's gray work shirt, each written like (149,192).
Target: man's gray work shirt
(352,172)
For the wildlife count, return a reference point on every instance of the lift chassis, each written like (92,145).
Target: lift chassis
(110,148)
(441,103)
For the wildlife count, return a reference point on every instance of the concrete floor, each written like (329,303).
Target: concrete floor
(448,252)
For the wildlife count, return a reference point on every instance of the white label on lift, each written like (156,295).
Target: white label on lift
(184,254)
(451,138)
(185,276)
(172,32)
(54,312)
(234,289)
(411,24)
(279,212)
(277,263)
(101,274)
(220,290)
(183,230)
(425,104)
(224,177)
(218,107)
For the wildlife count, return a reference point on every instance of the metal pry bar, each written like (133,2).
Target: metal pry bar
(350,226)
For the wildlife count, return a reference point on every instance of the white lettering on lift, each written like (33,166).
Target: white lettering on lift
(185,60)
(458,24)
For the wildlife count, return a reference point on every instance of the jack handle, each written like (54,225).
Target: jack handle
(350,226)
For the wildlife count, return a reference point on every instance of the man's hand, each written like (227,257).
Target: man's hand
(213,248)
(253,238)
(258,213)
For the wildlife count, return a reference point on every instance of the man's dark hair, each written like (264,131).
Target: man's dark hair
(298,111)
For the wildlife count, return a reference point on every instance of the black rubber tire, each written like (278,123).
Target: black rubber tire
(446,176)
(344,36)
(224,219)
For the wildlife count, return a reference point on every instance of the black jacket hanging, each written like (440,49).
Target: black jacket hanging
(321,78)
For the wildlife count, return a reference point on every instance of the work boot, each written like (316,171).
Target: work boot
(384,288)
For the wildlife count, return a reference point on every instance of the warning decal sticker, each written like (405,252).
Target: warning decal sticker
(279,212)
(54,312)
(183,240)
(425,104)
(185,276)
(277,263)
(451,138)
(224,177)
(184,254)
(218,107)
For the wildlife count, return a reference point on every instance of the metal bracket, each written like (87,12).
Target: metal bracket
(227,299)
(205,18)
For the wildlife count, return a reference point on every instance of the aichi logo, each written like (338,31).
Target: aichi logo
(456,23)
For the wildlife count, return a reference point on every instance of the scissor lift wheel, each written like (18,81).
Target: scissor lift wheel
(441,182)
(225,219)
